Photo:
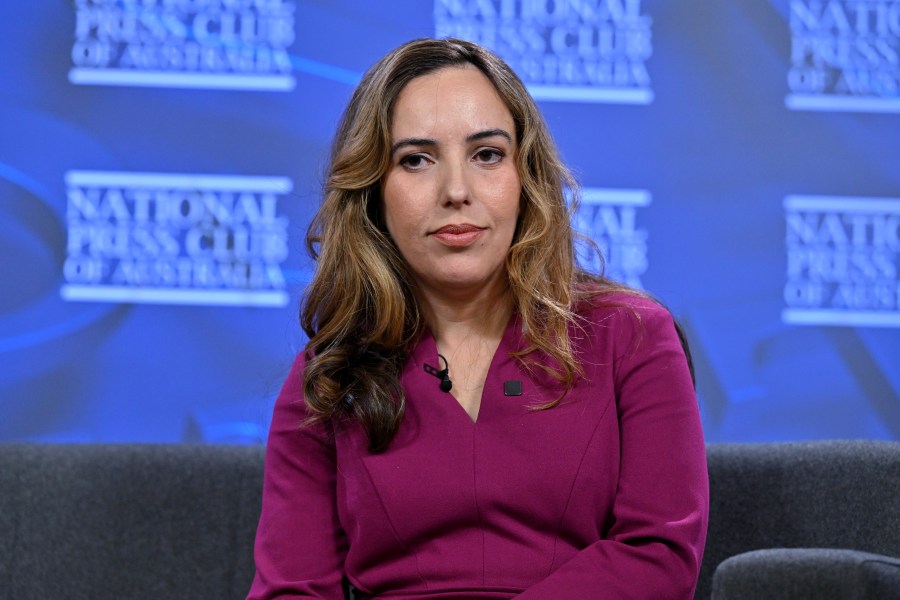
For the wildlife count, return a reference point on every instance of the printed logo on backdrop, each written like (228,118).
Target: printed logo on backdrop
(609,218)
(845,55)
(568,50)
(231,44)
(175,239)
(843,259)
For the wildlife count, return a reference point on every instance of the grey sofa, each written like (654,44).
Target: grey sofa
(817,520)
(802,520)
(123,522)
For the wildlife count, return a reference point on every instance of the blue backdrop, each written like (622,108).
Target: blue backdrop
(160,159)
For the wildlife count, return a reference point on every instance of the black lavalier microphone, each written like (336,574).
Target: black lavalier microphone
(443,374)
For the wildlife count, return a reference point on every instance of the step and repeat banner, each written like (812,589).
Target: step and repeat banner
(160,161)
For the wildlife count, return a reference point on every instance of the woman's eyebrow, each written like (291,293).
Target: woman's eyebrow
(480,135)
(474,137)
(412,142)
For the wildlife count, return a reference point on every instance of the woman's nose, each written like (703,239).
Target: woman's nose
(456,186)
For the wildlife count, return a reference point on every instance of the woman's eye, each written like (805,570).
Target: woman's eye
(413,161)
(488,156)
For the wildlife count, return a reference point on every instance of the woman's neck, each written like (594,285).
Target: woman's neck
(467,333)
(453,319)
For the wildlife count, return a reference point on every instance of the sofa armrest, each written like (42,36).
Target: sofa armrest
(795,573)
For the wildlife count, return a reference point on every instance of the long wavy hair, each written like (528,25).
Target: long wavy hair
(360,310)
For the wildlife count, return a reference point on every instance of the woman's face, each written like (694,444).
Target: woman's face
(451,194)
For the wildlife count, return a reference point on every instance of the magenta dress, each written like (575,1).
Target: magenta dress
(604,496)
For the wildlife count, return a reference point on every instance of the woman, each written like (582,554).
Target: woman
(473,417)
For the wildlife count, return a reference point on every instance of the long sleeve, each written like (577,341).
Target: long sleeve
(655,545)
(300,547)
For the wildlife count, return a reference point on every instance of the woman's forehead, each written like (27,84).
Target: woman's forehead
(452,99)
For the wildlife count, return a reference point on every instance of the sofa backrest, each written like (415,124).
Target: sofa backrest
(172,521)
(824,494)
(128,521)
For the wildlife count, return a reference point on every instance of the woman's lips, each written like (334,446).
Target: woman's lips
(458,236)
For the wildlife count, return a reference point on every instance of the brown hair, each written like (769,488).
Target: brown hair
(360,311)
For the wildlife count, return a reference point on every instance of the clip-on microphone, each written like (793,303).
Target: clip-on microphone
(443,374)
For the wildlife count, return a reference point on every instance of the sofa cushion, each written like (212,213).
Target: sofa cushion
(127,521)
(821,494)
(814,573)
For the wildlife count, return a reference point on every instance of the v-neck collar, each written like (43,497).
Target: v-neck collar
(425,352)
